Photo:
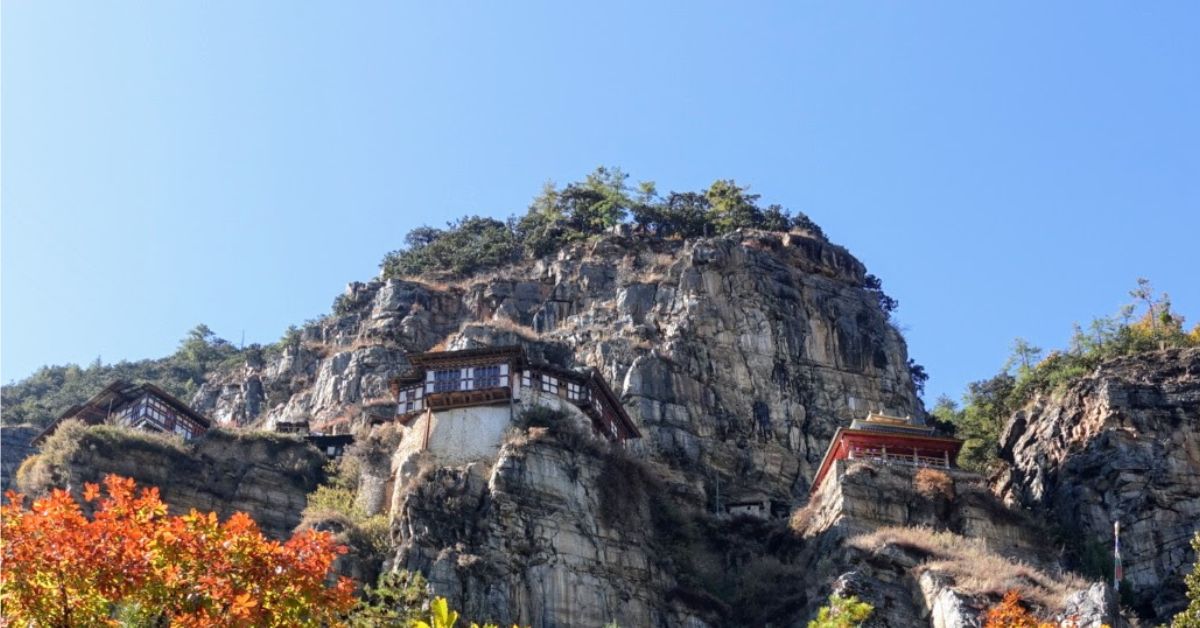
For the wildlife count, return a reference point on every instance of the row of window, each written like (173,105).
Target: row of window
(477,378)
(159,415)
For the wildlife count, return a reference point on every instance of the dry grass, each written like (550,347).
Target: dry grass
(437,285)
(934,484)
(802,517)
(504,324)
(324,349)
(975,569)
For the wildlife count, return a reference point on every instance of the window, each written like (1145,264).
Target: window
(410,401)
(527,379)
(487,376)
(446,381)
(574,391)
(549,384)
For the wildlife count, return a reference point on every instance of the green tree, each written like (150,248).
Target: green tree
(842,612)
(685,214)
(614,201)
(980,420)
(886,303)
(463,247)
(1190,617)
(732,206)
(197,346)
(1024,355)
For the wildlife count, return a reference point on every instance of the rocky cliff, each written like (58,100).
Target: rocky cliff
(16,444)
(932,547)
(265,475)
(1122,444)
(737,356)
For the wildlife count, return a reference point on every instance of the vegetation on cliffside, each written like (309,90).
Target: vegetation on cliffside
(1146,324)
(558,217)
(45,395)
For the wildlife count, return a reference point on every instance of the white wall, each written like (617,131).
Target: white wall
(457,436)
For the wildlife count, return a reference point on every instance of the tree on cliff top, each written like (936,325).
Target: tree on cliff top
(987,404)
(582,209)
(131,563)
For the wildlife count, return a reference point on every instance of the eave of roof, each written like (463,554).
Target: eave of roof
(827,460)
(437,357)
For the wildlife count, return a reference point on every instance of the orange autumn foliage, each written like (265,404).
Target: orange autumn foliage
(1011,613)
(131,560)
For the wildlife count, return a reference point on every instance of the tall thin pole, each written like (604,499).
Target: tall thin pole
(1118,572)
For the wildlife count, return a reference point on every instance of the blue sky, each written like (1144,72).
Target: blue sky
(1006,168)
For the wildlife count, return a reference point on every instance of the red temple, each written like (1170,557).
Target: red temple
(889,440)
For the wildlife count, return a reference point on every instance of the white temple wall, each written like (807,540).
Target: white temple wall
(456,436)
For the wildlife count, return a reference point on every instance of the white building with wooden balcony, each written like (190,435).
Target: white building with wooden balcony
(459,404)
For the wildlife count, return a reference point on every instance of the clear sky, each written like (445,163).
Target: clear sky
(1006,168)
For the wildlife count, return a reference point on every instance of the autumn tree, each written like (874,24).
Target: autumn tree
(132,561)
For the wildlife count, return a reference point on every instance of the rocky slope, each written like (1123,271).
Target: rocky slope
(1122,444)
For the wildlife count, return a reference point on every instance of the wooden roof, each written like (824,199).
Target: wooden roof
(435,359)
(116,395)
(888,430)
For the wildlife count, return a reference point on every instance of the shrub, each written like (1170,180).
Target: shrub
(1011,613)
(842,612)
(934,484)
(625,484)
(975,569)
(396,599)
(1190,616)
(463,247)
(988,404)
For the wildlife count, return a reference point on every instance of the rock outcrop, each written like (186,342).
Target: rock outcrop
(267,476)
(737,356)
(16,444)
(1121,444)
(931,547)
(548,536)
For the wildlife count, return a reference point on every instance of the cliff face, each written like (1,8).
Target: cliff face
(267,476)
(737,356)
(550,535)
(16,444)
(931,547)
(1122,444)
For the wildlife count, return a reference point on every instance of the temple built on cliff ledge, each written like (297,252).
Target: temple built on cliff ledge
(888,440)
(458,405)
